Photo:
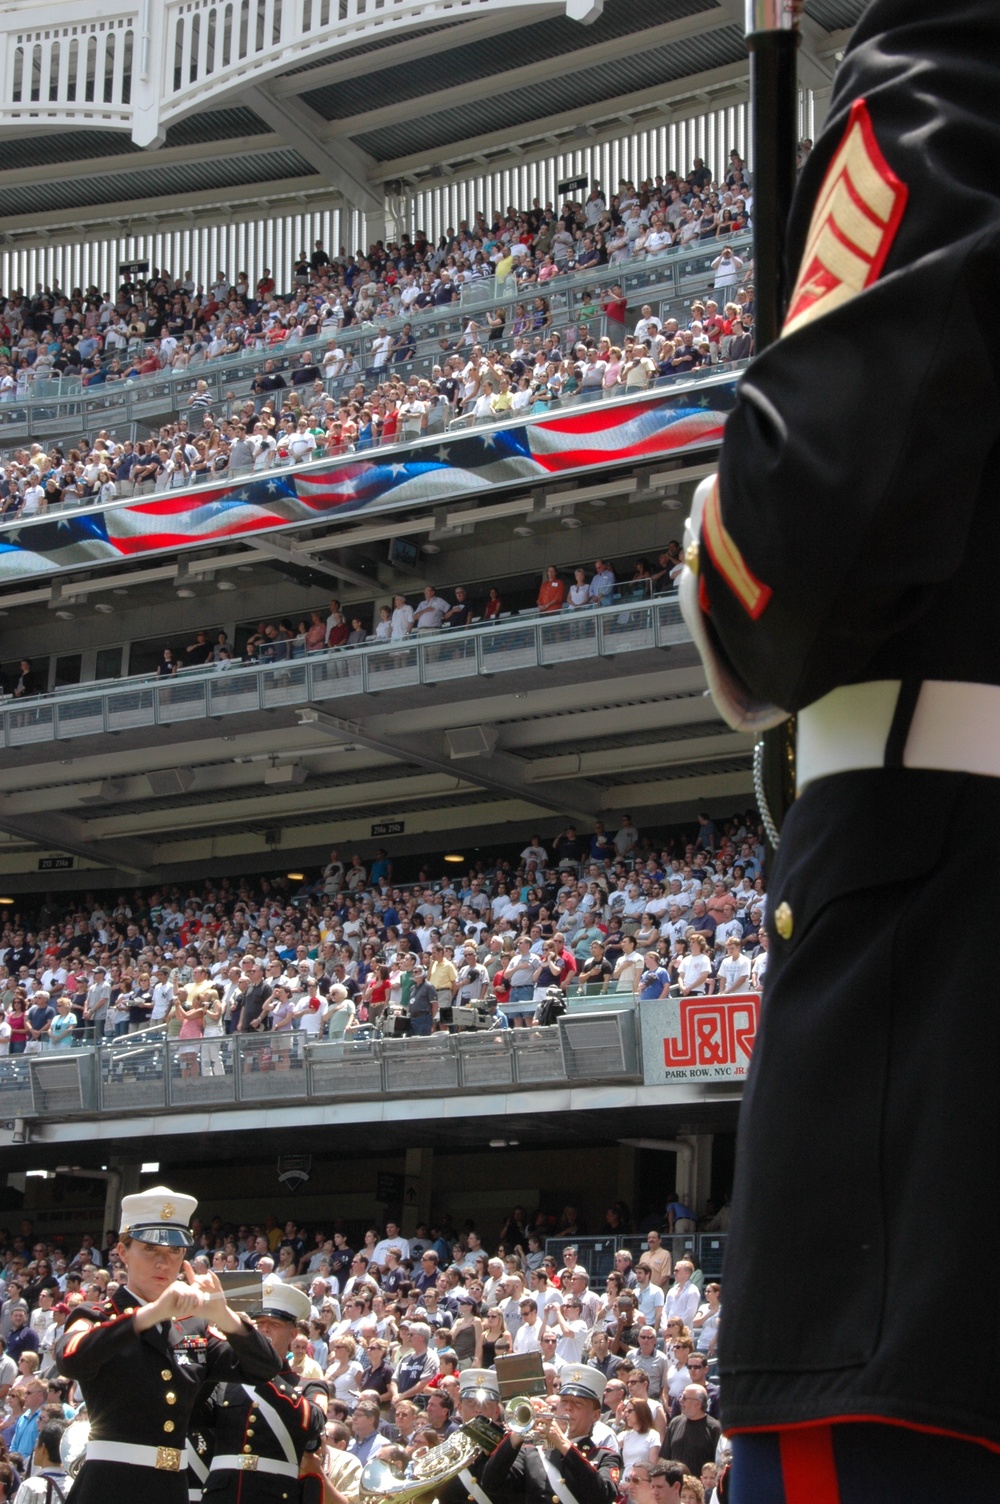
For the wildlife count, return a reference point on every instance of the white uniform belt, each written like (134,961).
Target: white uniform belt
(164,1459)
(955,728)
(248,1462)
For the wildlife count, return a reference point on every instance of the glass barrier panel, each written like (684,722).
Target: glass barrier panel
(448,655)
(538,1054)
(393,667)
(509,647)
(339,674)
(177,701)
(348,1068)
(79,717)
(419,1064)
(671,628)
(128,708)
(272,1067)
(200,1072)
(233,691)
(283,684)
(572,634)
(133,1077)
(485,1059)
(36,724)
(628,631)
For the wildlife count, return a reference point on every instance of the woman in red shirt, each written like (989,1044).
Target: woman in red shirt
(376,993)
(18,1020)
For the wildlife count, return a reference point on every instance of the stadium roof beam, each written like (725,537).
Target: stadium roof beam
(540,72)
(490,770)
(589,113)
(302,558)
(79,223)
(63,833)
(408,50)
(568,138)
(167,156)
(346,168)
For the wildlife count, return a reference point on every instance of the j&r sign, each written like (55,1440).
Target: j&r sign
(698,1038)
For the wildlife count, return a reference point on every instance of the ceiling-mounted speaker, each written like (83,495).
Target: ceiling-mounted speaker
(470,741)
(170,781)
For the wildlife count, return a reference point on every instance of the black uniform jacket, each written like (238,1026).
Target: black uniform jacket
(854,536)
(240,1427)
(590,1472)
(141,1387)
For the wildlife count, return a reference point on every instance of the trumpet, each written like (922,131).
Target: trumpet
(527,1416)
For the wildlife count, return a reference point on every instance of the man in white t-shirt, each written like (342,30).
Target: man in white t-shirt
(33,500)
(430,612)
(734,971)
(646,324)
(392,1239)
(568,1320)
(683,1298)
(728,928)
(402,618)
(527,1335)
(310,1015)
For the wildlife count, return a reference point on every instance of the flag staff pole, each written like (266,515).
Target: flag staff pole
(772,34)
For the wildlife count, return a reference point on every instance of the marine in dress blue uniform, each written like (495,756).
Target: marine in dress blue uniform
(140,1383)
(478,1401)
(261,1432)
(575,1469)
(842,566)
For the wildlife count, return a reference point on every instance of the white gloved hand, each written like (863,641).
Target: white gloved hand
(734,700)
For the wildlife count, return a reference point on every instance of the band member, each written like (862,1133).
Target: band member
(142,1356)
(567,1463)
(478,1400)
(861,427)
(261,1432)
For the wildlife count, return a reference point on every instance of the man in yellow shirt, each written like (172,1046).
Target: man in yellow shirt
(443,977)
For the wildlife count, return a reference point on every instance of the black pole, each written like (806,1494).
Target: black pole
(773,39)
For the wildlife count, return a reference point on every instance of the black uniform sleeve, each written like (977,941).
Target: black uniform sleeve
(861,441)
(242,1355)
(499,1466)
(592,1480)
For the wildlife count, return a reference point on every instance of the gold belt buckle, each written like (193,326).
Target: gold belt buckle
(249,1464)
(168,1460)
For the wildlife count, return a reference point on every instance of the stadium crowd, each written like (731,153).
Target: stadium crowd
(580,913)
(322,402)
(337,627)
(395,1322)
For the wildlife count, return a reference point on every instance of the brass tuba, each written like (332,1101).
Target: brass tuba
(424,1474)
(73,1447)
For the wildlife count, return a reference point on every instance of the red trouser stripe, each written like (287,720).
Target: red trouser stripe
(808,1469)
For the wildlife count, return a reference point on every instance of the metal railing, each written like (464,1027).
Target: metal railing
(142,1074)
(676,271)
(523,643)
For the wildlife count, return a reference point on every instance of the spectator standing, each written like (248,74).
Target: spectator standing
(552,591)
(694,1435)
